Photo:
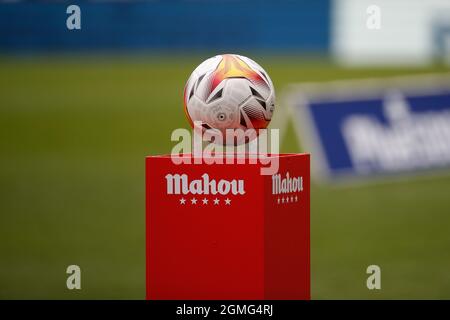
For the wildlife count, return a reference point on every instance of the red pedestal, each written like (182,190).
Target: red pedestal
(224,231)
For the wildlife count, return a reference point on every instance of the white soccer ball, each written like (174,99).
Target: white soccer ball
(229,91)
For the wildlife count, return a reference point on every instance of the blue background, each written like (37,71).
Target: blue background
(168,25)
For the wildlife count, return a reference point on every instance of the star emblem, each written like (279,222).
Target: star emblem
(205,201)
(227,201)
(194,201)
(282,200)
(278,200)
(233,67)
(296,198)
(182,201)
(216,201)
(292,198)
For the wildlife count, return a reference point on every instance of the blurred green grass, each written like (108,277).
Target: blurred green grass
(74,133)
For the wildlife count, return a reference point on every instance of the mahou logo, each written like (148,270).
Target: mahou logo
(286,187)
(181,184)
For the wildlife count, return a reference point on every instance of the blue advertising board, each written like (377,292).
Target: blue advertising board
(370,128)
(173,26)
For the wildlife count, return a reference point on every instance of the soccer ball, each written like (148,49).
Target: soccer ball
(229,91)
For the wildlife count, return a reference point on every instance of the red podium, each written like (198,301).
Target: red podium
(224,231)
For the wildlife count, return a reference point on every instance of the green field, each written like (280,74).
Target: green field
(74,133)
